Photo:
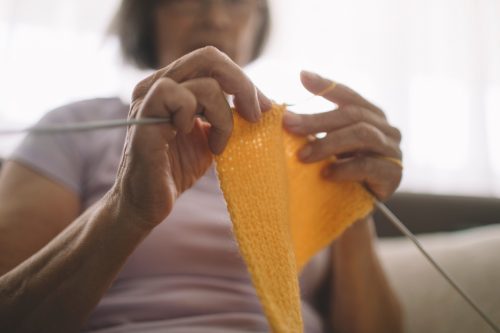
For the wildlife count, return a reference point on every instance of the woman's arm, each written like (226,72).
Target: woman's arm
(55,289)
(33,210)
(361,298)
(59,283)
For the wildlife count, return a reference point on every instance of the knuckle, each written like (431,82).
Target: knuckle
(397,134)
(364,132)
(391,178)
(396,180)
(363,164)
(389,188)
(248,86)
(143,87)
(372,136)
(355,114)
(307,122)
(224,129)
(399,152)
(163,85)
(160,87)
(212,86)
(211,52)
(134,109)
(140,90)
(384,194)
(380,112)
(212,90)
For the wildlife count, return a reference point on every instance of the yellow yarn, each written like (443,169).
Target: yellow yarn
(282,211)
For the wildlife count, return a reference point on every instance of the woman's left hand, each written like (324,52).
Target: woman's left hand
(358,135)
(366,148)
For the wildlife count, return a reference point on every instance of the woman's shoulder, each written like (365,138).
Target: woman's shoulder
(66,157)
(103,108)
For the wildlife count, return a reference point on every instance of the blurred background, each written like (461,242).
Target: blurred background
(433,66)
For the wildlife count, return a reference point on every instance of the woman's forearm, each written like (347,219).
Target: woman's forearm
(56,288)
(362,299)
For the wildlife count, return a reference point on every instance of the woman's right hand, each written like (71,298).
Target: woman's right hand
(160,162)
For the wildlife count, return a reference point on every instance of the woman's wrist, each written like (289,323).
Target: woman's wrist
(355,248)
(361,298)
(122,213)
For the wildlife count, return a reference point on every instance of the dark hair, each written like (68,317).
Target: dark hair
(134,25)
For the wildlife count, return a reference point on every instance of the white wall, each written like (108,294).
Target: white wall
(434,66)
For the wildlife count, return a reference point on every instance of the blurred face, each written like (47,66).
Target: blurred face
(186,25)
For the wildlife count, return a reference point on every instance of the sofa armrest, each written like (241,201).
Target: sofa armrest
(427,213)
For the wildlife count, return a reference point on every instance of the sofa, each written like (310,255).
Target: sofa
(463,235)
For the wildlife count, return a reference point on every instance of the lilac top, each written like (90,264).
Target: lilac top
(187,275)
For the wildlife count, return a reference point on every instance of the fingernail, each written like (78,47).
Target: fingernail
(291,119)
(256,116)
(305,152)
(310,75)
(265,103)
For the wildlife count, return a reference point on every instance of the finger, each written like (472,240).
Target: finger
(265,103)
(216,110)
(358,138)
(168,99)
(380,176)
(210,62)
(340,94)
(303,124)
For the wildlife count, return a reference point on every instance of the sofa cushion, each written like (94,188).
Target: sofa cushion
(431,305)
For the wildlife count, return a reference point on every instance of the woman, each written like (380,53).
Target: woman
(106,239)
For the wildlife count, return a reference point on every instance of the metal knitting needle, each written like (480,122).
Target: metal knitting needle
(84,126)
(107,124)
(404,230)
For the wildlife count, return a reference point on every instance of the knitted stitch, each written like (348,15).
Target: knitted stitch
(282,210)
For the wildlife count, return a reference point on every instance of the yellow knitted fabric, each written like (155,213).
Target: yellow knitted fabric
(282,211)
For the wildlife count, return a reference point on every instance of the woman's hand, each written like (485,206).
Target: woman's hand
(160,162)
(358,135)
(365,146)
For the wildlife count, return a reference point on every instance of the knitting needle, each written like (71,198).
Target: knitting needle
(88,125)
(107,124)
(84,126)
(404,230)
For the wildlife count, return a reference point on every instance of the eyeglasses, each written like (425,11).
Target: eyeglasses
(233,7)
